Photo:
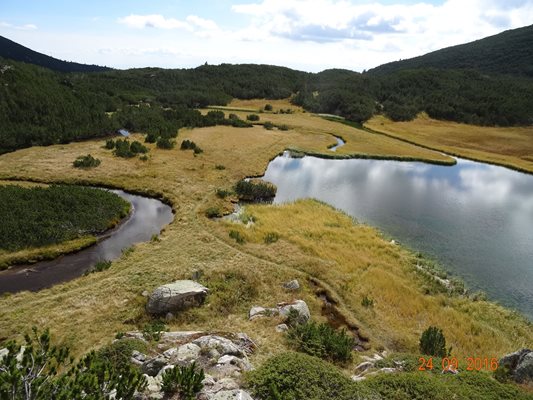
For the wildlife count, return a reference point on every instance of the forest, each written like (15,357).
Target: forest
(39,106)
(39,216)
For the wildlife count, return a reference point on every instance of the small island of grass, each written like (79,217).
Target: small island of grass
(44,222)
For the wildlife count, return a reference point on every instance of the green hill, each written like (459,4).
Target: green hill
(509,52)
(17,52)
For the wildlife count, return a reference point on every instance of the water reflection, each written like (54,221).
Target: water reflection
(148,218)
(477,219)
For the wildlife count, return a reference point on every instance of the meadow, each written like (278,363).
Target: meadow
(327,251)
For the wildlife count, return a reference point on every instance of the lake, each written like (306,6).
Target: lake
(475,219)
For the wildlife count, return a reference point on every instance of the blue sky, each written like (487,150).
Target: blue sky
(310,35)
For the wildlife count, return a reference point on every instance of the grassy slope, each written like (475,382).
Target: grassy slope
(512,147)
(352,259)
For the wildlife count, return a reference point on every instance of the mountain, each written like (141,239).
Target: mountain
(17,52)
(510,52)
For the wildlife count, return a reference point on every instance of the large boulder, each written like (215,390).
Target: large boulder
(176,296)
(297,310)
(520,365)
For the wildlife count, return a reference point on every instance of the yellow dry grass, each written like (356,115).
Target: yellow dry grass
(512,147)
(316,241)
(358,141)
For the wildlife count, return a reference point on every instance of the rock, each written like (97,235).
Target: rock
(134,335)
(242,363)
(520,365)
(364,366)
(246,343)
(137,357)
(3,353)
(221,371)
(176,296)
(300,306)
(153,366)
(292,285)
(159,375)
(358,378)
(188,352)
(282,328)
(153,384)
(179,336)
(222,345)
(145,293)
(169,316)
(259,312)
(236,394)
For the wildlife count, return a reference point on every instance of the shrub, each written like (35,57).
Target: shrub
(233,116)
(100,266)
(254,190)
(144,157)
(283,127)
(268,107)
(223,193)
(237,236)
(321,340)
(109,144)
(220,167)
(197,150)
(165,143)
(188,145)
(119,352)
(268,125)
(137,147)
(213,212)
(186,381)
(87,161)
(123,149)
(151,138)
(47,372)
(294,376)
(433,343)
(271,237)
(239,123)
(367,302)
(252,117)
(152,330)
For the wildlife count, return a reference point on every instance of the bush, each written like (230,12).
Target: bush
(236,235)
(100,266)
(87,161)
(137,147)
(165,143)
(186,381)
(223,193)
(433,343)
(252,117)
(220,167)
(213,212)
(367,302)
(144,157)
(152,330)
(123,149)
(254,190)
(109,144)
(151,138)
(294,376)
(268,125)
(268,107)
(47,372)
(322,341)
(239,123)
(271,237)
(197,150)
(190,145)
(119,352)
(283,127)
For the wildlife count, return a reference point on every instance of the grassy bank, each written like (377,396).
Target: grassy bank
(308,241)
(511,147)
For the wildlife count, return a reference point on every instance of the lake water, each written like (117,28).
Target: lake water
(475,219)
(149,216)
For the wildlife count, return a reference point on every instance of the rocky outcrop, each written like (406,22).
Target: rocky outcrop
(176,296)
(223,357)
(520,365)
(297,311)
(369,367)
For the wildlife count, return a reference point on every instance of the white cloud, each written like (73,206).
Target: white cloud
(192,23)
(26,27)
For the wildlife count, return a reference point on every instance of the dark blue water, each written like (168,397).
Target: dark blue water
(476,219)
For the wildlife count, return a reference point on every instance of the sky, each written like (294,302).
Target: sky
(309,35)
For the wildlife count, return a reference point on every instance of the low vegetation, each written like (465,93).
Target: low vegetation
(255,190)
(186,381)
(190,145)
(86,162)
(433,342)
(321,340)
(41,216)
(123,148)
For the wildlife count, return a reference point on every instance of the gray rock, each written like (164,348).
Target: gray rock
(153,366)
(299,306)
(3,353)
(179,336)
(292,285)
(137,358)
(520,365)
(364,366)
(358,378)
(259,312)
(242,363)
(188,352)
(159,375)
(222,345)
(176,296)
(282,328)
(236,394)
(153,384)
(134,335)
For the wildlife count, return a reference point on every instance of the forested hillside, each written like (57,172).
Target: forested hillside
(17,52)
(39,106)
(510,52)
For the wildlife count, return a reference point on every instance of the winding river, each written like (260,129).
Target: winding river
(475,219)
(148,217)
